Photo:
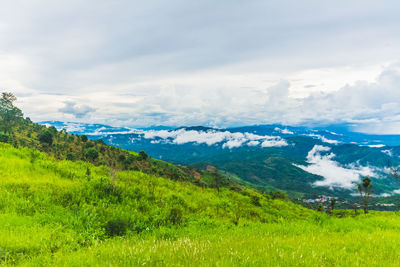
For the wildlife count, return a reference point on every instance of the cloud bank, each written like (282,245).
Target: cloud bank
(335,176)
(143,63)
(211,137)
(323,139)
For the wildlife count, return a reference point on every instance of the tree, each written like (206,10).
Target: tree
(46,137)
(92,154)
(143,155)
(84,138)
(8,112)
(355,208)
(218,179)
(365,190)
(332,204)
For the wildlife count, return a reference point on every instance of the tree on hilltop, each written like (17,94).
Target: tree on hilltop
(9,114)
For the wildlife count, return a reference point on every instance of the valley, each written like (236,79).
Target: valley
(300,161)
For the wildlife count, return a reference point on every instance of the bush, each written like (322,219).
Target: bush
(143,155)
(92,154)
(84,138)
(70,156)
(121,158)
(101,142)
(53,130)
(116,227)
(174,216)
(255,200)
(4,137)
(46,137)
(278,195)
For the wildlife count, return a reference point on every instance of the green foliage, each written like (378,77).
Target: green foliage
(116,227)
(46,137)
(84,138)
(92,154)
(365,190)
(4,138)
(174,216)
(278,195)
(9,114)
(55,212)
(51,214)
(70,156)
(143,155)
(61,145)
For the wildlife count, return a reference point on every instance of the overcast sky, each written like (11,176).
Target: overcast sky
(215,63)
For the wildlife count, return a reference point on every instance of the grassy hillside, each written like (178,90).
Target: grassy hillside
(49,206)
(66,206)
(55,213)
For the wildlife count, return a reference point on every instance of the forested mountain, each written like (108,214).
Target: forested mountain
(298,160)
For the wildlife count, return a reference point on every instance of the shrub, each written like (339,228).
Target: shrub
(92,154)
(174,216)
(255,200)
(84,138)
(278,195)
(70,156)
(121,158)
(4,137)
(116,227)
(53,130)
(46,137)
(143,155)
(101,142)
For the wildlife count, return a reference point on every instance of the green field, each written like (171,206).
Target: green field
(59,213)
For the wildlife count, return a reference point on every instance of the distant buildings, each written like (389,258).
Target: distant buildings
(320,199)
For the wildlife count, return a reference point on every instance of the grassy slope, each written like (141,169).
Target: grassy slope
(67,146)
(53,213)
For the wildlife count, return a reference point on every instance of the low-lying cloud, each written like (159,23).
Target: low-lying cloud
(321,163)
(323,139)
(211,137)
(283,131)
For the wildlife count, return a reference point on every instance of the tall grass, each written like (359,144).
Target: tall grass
(66,213)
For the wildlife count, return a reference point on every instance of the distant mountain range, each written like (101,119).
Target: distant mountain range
(298,160)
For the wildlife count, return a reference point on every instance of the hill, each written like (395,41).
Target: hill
(54,213)
(301,161)
(82,210)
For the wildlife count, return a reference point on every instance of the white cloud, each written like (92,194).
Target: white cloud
(253,143)
(284,131)
(334,175)
(212,137)
(376,146)
(324,139)
(233,143)
(141,63)
(397,191)
(274,143)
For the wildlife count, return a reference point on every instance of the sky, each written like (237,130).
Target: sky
(212,63)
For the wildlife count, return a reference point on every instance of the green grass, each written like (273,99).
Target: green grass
(55,213)
(334,242)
